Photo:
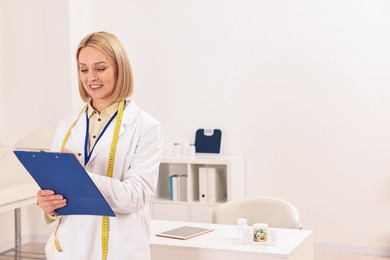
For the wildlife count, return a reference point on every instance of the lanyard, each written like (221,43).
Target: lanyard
(87,156)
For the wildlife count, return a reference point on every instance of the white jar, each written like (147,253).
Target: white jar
(192,150)
(247,235)
(185,149)
(272,236)
(241,224)
(176,149)
(260,232)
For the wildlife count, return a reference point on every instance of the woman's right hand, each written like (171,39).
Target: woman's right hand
(48,201)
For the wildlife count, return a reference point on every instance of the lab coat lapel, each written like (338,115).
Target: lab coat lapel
(78,134)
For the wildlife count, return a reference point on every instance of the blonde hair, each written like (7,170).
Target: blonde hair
(110,45)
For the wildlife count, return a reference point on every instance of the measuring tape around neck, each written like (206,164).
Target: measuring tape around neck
(110,170)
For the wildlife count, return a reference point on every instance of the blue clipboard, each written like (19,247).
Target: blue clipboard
(63,173)
(208,141)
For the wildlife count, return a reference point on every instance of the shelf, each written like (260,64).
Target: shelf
(200,158)
(203,192)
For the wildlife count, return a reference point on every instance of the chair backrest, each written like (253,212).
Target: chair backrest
(275,212)
(10,167)
(39,139)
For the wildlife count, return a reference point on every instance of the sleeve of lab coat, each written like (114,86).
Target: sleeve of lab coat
(140,180)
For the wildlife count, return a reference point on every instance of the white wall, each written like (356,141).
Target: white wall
(36,65)
(35,82)
(299,87)
(80,24)
(2,29)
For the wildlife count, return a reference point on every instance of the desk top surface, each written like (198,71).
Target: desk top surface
(224,238)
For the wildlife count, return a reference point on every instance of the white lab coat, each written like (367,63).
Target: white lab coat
(128,192)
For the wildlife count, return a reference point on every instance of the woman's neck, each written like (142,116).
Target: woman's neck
(101,105)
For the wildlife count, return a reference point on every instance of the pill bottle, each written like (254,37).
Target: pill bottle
(260,232)
(272,236)
(241,224)
(185,149)
(176,149)
(247,235)
(192,150)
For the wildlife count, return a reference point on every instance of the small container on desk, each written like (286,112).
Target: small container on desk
(260,232)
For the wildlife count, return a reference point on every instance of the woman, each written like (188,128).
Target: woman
(120,147)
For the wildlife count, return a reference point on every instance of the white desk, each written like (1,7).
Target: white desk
(223,244)
(17,189)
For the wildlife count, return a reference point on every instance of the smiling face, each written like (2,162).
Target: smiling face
(98,76)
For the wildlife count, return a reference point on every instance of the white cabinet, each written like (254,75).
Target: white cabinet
(223,174)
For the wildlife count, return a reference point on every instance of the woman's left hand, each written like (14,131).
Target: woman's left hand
(75,154)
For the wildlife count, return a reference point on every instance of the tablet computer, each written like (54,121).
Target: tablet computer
(184,232)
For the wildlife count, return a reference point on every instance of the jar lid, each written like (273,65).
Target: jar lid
(260,226)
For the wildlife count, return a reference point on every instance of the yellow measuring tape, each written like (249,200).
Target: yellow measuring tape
(110,170)
(109,174)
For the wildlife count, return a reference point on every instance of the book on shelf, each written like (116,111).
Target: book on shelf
(210,185)
(178,187)
(182,187)
(173,187)
(170,187)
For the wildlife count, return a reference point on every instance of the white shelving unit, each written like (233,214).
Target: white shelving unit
(230,169)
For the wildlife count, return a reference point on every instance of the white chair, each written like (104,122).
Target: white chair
(38,139)
(275,212)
